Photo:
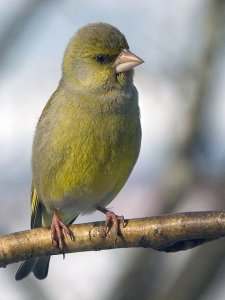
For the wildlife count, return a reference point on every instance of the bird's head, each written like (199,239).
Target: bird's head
(98,59)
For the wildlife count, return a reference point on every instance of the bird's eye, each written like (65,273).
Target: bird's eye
(103,59)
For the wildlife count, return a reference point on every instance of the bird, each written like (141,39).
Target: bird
(88,137)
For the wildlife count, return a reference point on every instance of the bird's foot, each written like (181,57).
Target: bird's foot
(112,220)
(58,228)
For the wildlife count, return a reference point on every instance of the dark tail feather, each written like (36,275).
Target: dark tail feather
(25,268)
(39,266)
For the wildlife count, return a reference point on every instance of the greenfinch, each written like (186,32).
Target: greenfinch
(88,137)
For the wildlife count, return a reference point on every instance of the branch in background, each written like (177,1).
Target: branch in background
(164,233)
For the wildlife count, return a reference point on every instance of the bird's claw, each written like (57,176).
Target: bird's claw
(112,220)
(58,228)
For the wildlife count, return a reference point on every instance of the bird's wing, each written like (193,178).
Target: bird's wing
(36,209)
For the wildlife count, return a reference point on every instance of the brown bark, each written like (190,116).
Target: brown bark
(167,233)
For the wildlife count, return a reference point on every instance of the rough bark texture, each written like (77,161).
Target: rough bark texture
(167,233)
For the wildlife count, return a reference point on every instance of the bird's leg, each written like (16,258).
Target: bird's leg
(112,219)
(57,228)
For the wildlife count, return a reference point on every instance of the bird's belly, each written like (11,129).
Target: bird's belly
(86,187)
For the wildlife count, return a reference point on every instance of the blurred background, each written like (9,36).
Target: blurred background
(182,161)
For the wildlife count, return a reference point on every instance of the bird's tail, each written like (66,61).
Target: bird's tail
(39,266)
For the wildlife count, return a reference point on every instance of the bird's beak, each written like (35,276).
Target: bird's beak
(126,61)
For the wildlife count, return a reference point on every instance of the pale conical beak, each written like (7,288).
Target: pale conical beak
(126,61)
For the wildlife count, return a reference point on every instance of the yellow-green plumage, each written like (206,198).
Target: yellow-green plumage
(88,137)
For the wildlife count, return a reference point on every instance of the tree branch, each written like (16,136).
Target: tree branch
(167,233)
